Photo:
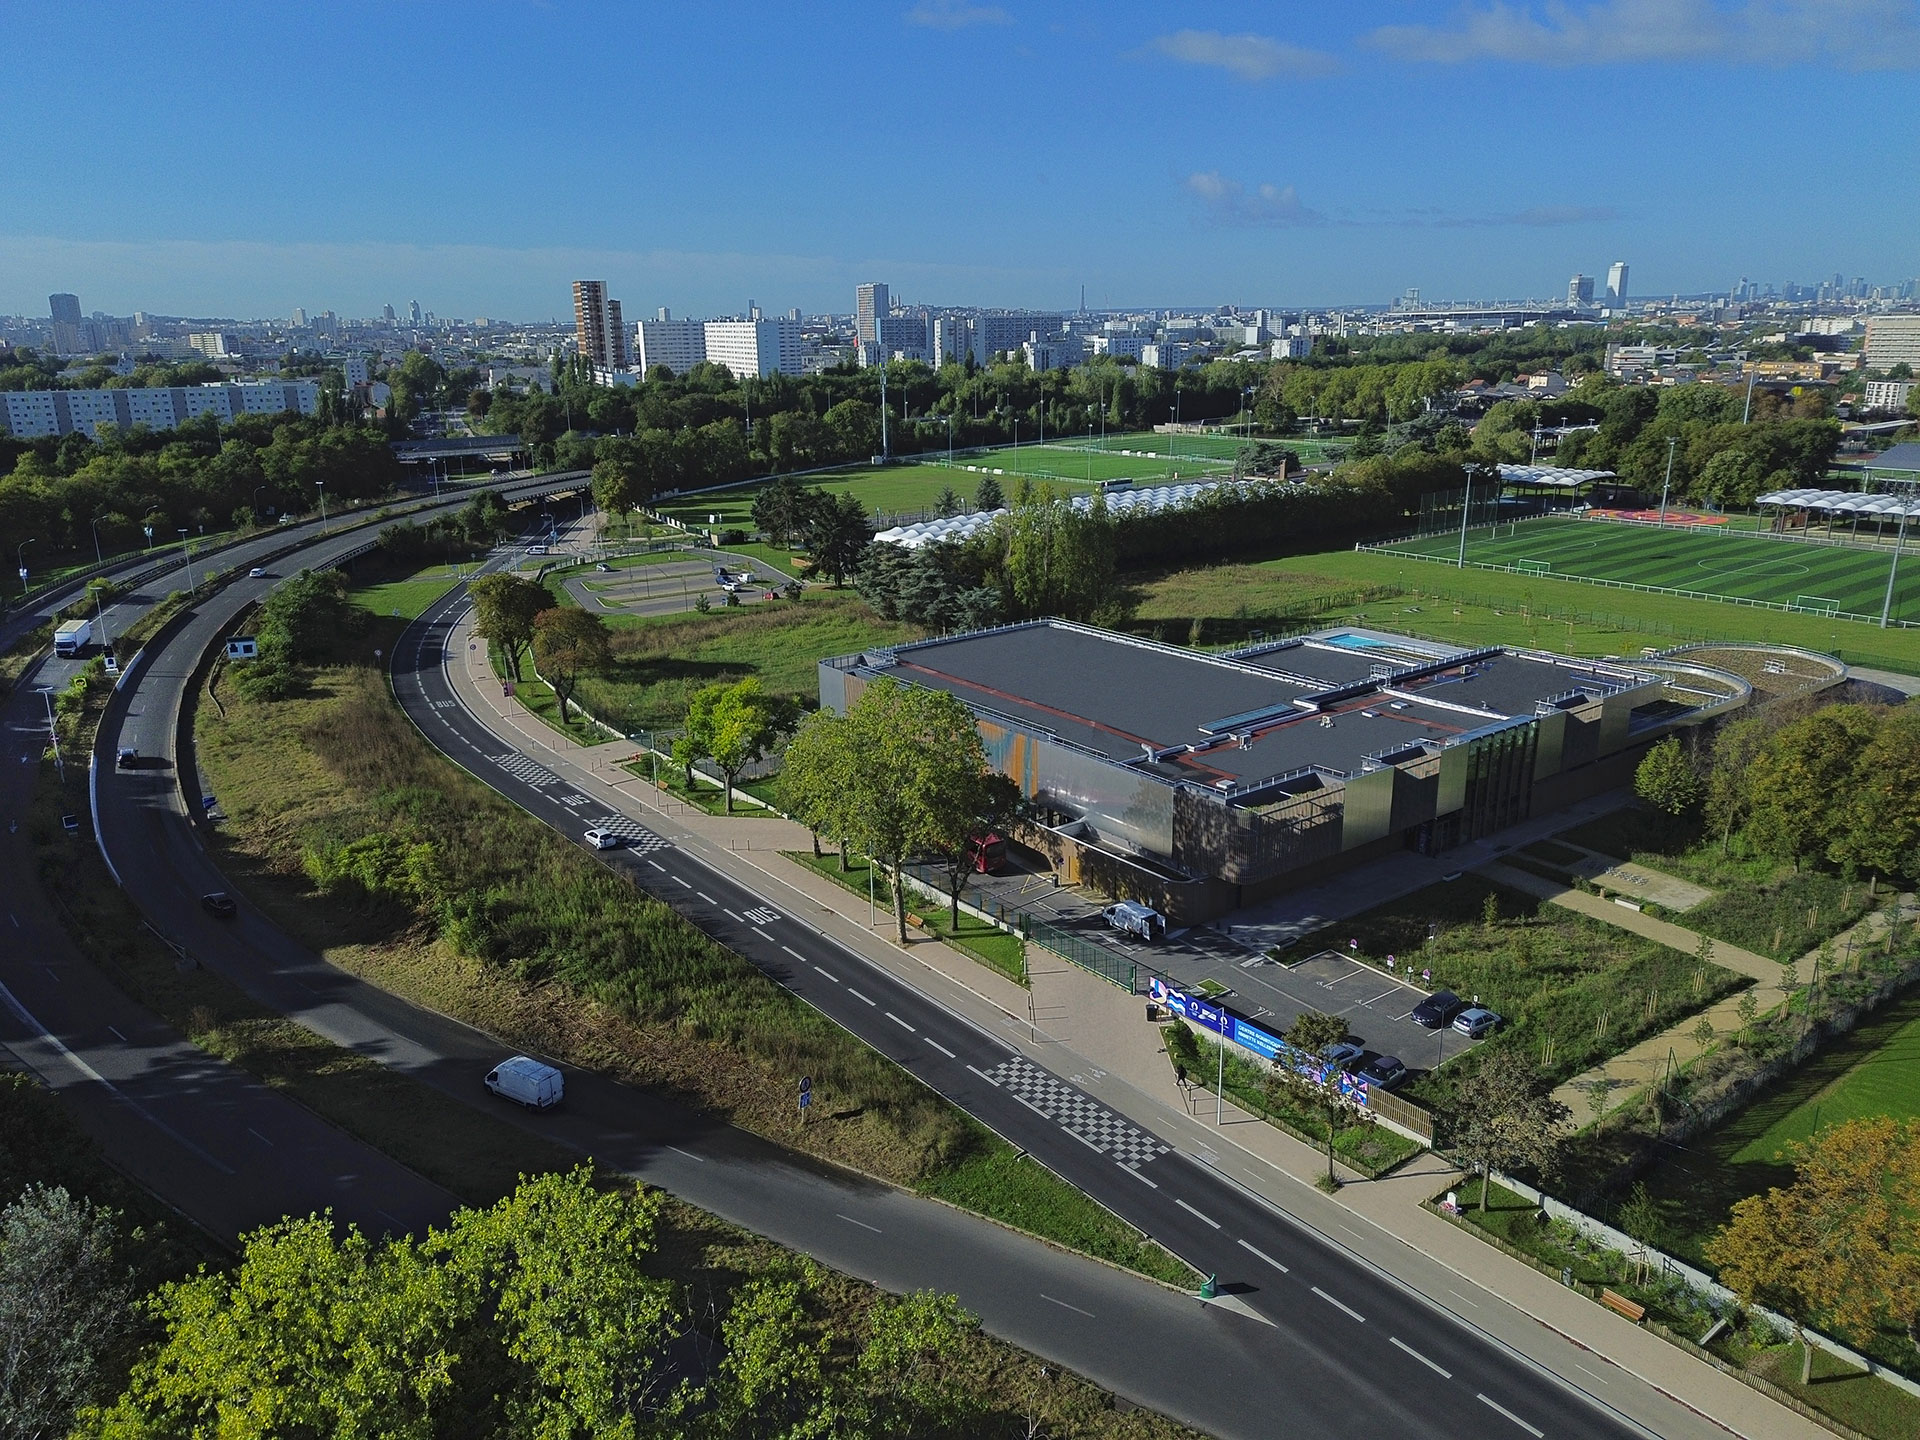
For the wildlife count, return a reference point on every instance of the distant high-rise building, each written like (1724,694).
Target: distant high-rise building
(386,313)
(871,302)
(1892,340)
(794,314)
(413,312)
(597,326)
(1617,283)
(1580,290)
(299,318)
(677,344)
(755,347)
(67,338)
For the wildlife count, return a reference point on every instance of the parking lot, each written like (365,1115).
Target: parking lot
(1374,1005)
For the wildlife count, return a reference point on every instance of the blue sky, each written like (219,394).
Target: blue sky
(244,159)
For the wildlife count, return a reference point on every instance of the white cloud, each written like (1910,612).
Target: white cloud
(1850,34)
(1228,202)
(1246,57)
(955,15)
(1535,216)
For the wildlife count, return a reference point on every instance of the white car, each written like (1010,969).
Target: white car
(257,573)
(604,839)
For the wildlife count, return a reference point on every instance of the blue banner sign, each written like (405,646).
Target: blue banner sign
(1251,1037)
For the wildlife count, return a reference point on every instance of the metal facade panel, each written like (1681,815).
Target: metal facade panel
(1369,807)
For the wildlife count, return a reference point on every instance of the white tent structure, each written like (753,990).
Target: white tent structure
(1119,502)
(1843,502)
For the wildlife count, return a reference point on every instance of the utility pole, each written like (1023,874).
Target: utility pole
(884,452)
(1672,442)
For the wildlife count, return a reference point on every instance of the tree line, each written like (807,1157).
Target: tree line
(542,1314)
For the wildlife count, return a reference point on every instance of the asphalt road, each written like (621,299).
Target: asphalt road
(1355,1348)
(225,1150)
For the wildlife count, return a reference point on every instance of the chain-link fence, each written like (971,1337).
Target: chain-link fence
(1075,949)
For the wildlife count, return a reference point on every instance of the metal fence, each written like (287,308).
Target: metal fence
(1074,949)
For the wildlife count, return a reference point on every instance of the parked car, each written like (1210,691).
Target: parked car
(220,903)
(527,1082)
(1386,1071)
(258,572)
(1143,922)
(603,567)
(604,839)
(1437,1009)
(1345,1055)
(986,854)
(1475,1021)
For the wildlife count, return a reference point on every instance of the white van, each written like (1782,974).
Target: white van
(536,1086)
(1130,917)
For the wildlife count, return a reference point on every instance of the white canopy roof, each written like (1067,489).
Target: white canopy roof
(1849,502)
(1119,502)
(1553,475)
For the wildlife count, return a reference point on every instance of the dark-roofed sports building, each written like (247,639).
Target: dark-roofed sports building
(1205,782)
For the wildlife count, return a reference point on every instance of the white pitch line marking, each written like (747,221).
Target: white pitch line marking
(1199,1214)
(116,1035)
(1137,1175)
(941,1048)
(1399,1344)
(1255,1249)
(1064,1306)
(1340,1304)
(861,1223)
(901,1023)
(1496,1405)
(700,1159)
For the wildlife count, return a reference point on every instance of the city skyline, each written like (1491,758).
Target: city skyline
(1306,158)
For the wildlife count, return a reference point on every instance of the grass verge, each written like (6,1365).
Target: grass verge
(1371,1149)
(989,944)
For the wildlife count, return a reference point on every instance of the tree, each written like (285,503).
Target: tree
(989,496)
(1842,1243)
(904,765)
(774,1382)
(946,503)
(781,508)
(504,607)
(1795,782)
(907,1368)
(1880,828)
(984,802)
(836,535)
(620,479)
(810,787)
(1058,559)
(568,643)
(734,726)
(1665,779)
(1316,1034)
(1505,1115)
(1726,789)
(66,1310)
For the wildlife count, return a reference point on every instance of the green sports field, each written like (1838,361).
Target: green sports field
(1825,579)
(1088,464)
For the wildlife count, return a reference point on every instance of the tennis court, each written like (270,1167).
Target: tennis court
(1839,580)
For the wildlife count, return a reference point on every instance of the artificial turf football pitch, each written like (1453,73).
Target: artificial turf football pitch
(1834,579)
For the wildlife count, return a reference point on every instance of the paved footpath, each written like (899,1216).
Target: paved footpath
(1643,1064)
(1096,1035)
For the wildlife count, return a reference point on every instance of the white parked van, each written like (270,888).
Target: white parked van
(1130,917)
(536,1086)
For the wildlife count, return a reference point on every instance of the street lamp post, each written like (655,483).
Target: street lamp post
(53,734)
(256,503)
(1672,442)
(20,562)
(321,486)
(186,551)
(94,525)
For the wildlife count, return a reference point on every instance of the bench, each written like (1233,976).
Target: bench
(1620,1305)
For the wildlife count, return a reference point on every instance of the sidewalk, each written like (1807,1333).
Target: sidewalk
(1095,1036)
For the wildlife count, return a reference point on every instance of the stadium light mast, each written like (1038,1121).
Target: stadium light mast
(1672,441)
(1886,606)
(1466,509)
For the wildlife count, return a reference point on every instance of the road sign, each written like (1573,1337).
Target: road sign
(806,1094)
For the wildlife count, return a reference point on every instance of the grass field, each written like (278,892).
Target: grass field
(893,489)
(1486,607)
(1808,576)
(1218,447)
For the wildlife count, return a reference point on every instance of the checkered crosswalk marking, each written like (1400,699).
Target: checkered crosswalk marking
(521,768)
(1071,1110)
(637,836)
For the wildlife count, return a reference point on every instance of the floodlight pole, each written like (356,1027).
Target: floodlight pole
(1886,607)
(1672,442)
(1220,1080)
(1466,509)
(1746,412)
